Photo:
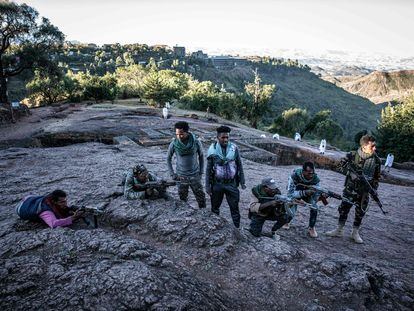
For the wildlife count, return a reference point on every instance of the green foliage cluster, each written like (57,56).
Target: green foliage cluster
(395,132)
(47,88)
(163,86)
(296,120)
(290,121)
(130,80)
(299,88)
(98,88)
(205,96)
(26,42)
(257,101)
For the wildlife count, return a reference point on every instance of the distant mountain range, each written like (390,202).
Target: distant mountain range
(379,87)
(331,61)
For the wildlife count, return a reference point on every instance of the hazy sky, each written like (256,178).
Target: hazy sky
(384,26)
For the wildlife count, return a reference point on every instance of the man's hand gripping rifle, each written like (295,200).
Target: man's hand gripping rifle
(84,212)
(356,173)
(156,185)
(288,202)
(322,194)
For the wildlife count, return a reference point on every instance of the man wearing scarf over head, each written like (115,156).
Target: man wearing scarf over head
(369,164)
(224,174)
(190,163)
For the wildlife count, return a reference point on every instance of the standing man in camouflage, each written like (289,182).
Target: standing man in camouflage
(190,163)
(224,174)
(298,180)
(369,164)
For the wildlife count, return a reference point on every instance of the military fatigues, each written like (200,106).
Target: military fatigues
(297,191)
(197,188)
(354,191)
(225,186)
(132,191)
(189,169)
(258,216)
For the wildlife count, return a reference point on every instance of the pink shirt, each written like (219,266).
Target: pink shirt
(50,219)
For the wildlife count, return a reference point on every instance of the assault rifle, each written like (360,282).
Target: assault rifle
(157,185)
(359,175)
(323,193)
(86,211)
(288,201)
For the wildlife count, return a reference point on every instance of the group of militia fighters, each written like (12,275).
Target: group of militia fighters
(223,177)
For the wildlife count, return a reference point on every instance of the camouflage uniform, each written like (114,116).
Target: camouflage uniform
(195,184)
(131,188)
(371,167)
(259,216)
(297,191)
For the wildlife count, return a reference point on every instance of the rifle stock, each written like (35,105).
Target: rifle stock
(162,184)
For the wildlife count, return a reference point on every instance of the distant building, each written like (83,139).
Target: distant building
(199,55)
(228,61)
(179,51)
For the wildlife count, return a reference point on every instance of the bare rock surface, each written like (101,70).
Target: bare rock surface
(78,123)
(169,255)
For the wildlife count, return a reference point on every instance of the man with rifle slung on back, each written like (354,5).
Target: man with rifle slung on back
(362,169)
(140,184)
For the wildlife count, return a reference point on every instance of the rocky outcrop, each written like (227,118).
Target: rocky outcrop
(168,254)
(72,124)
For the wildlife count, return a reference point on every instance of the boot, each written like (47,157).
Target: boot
(313,233)
(338,232)
(355,236)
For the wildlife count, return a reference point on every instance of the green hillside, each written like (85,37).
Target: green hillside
(298,87)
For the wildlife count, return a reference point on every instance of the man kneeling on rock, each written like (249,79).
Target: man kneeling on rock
(263,207)
(52,209)
(135,185)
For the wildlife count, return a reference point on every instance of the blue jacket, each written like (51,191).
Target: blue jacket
(30,207)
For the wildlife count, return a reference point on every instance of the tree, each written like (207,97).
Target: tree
(25,42)
(98,88)
(257,100)
(165,85)
(290,121)
(45,88)
(129,60)
(395,132)
(73,90)
(200,96)
(131,80)
(317,118)
(329,130)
